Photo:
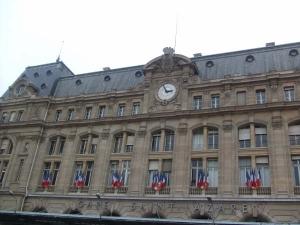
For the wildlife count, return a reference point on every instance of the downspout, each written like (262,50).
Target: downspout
(34,157)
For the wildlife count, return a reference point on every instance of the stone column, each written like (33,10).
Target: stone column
(162,140)
(124,141)
(205,138)
(252,135)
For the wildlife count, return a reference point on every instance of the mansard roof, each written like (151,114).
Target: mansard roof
(63,83)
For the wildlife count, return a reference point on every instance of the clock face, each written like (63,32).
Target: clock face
(166,92)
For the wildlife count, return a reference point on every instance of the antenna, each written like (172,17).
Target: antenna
(175,33)
(58,58)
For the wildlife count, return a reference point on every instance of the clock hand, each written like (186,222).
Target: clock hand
(165,89)
(169,91)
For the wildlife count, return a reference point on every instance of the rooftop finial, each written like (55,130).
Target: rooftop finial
(58,58)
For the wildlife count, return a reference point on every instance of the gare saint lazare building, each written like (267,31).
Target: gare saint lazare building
(214,136)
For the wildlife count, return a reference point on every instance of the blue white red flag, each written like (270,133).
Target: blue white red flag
(248,179)
(117,180)
(258,178)
(46,179)
(159,181)
(79,180)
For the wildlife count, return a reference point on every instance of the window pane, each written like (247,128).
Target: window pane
(198,139)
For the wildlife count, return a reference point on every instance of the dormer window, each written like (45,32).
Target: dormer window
(36,75)
(20,89)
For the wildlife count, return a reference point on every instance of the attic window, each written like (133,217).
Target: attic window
(36,75)
(49,72)
(43,86)
(294,52)
(138,73)
(107,78)
(20,89)
(209,64)
(78,82)
(250,58)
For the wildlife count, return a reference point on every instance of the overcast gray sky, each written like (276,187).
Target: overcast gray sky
(119,33)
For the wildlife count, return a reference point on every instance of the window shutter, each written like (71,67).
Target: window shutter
(262,160)
(296,157)
(244,134)
(153,165)
(167,165)
(241,98)
(130,140)
(294,130)
(5,144)
(261,130)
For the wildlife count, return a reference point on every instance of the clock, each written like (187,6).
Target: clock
(166,92)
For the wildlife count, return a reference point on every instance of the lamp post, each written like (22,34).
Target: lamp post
(210,201)
(12,194)
(99,196)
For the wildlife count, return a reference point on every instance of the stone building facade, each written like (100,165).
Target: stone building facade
(229,118)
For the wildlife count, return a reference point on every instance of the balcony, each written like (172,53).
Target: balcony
(120,190)
(84,189)
(198,191)
(49,189)
(151,191)
(258,191)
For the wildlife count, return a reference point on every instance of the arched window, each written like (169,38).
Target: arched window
(205,138)
(168,137)
(56,145)
(123,142)
(40,209)
(6,146)
(88,144)
(253,135)
(73,211)
(294,134)
(111,213)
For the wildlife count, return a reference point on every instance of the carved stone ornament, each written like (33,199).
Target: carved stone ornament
(168,62)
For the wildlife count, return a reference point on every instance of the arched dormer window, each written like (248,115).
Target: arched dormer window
(253,135)
(123,142)
(205,138)
(294,134)
(6,146)
(56,145)
(168,137)
(88,144)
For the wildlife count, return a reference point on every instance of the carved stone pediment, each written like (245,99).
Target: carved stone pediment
(167,62)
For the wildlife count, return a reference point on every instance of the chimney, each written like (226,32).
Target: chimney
(106,68)
(270,44)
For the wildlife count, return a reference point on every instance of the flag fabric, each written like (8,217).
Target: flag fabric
(117,179)
(46,179)
(159,181)
(253,180)
(248,179)
(202,180)
(79,180)
(258,178)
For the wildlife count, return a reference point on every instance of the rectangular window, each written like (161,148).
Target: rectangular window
(198,139)
(46,170)
(121,110)
(261,137)
(215,101)
(244,138)
(197,102)
(296,169)
(83,145)
(195,171)
(52,147)
(260,96)
(294,134)
(70,114)
(130,143)
(241,98)
(6,146)
(61,145)
(12,117)
(19,171)
(245,167)
(125,172)
(113,168)
(213,138)
(155,142)
(4,116)
(262,168)
(289,94)
(152,170)
(88,173)
(118,144)
(94,145)
(3,171)
(167,170)
(135,108)
(88,113)
(212,169)
(169,141)
(54,173)
(78,170)
(57,115)
(20,114)
(101,112)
